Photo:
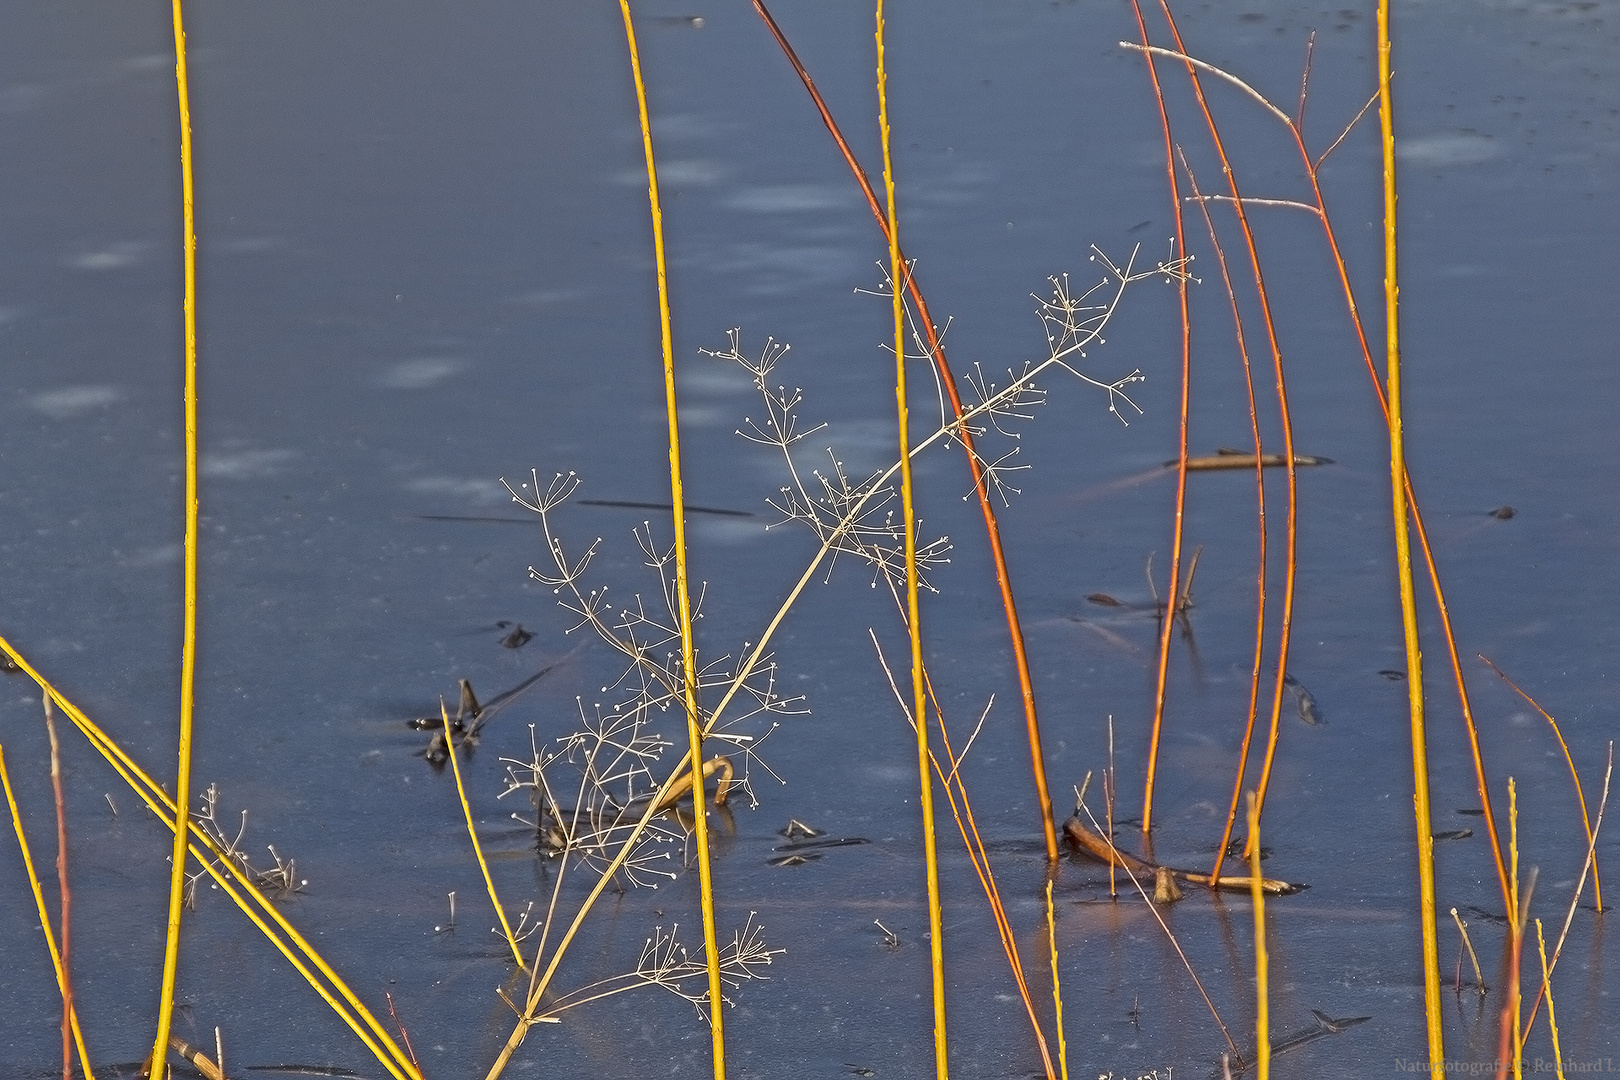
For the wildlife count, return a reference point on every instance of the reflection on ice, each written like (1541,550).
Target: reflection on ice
(72,402)
(112,257)
(482,492)
(1455,148)
(421,373)
(245,464)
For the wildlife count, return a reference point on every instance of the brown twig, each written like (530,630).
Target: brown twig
(67,895)
(404,1035)
(1105,851)
(198,1058)
(683,786)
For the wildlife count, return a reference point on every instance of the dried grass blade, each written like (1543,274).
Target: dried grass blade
(1125,864)
(1591,857)
(963,814)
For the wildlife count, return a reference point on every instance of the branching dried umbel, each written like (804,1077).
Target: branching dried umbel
(278,882)
(858,518)
(610,759)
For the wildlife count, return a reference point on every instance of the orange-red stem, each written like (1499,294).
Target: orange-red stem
(937,352)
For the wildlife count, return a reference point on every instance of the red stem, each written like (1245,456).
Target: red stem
(1168,622)
(937,352)
(67,896)
(1260,483)
(1481,784)
(1290,567)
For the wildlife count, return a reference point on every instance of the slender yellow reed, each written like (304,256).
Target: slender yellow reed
(472,833)
(1057,990)
(232,879)
(1512,1042)
(1546,990)
(1403,558)
(44,915)
(188,649)
(897,276)
(1262,961)
(694,725)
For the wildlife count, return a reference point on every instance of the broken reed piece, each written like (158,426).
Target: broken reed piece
(683,787)
(1084,839)
(199,1060)
(1227,458)
(1164,886)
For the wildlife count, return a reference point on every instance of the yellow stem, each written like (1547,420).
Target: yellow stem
(694,725)
(44,915)
(1262,960)
(211,858)
(472,832)
(1515,1003)
(188,649)
(897,278)
(1403,558)
(1546,988)
(1057,992)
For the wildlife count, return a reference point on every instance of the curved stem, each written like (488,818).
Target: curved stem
(936,351)
(694,726)
(1260,500)
(897,274)
(1403,560)
(1173,590)
(1290,569)
(188,647)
